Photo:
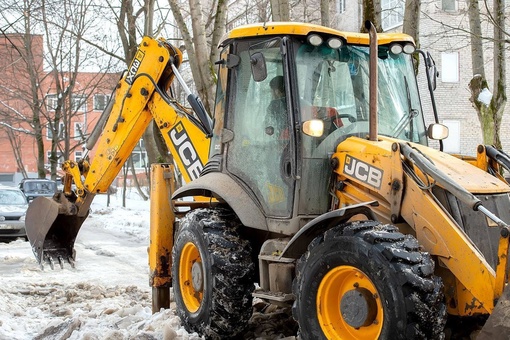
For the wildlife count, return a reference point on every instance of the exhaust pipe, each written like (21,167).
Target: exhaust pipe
(373,124)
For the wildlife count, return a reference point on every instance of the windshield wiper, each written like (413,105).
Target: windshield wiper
(406,119)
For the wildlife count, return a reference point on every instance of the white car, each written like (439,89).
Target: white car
(13,207)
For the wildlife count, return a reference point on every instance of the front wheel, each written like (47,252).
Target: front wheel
(212,274)
(365,280)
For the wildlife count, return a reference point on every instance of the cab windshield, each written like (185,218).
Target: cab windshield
(333,85)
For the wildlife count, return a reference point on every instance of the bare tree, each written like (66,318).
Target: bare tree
(489,113)
(53,98)
(200,43)
(22,98)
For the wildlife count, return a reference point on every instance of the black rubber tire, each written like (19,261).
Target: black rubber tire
(228,274)
(410,295)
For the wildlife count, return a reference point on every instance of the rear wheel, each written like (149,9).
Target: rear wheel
(212,274)
(365,280)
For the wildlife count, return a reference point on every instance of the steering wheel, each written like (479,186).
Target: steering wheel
(351,118)
(330,143)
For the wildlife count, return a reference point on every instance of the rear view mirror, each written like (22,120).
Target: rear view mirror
(437,131)
(258,66)
(432,71)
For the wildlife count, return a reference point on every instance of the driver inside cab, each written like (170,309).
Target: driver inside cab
(276,113)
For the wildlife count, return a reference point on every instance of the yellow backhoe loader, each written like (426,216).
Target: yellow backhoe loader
(314,180)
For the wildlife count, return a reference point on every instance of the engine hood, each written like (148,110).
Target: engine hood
(374,154)
(470,177)
(13,210)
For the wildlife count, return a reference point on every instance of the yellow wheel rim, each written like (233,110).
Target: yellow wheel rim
(192,293)
(348,305)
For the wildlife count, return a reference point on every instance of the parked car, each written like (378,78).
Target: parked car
(35,187)
(13,207)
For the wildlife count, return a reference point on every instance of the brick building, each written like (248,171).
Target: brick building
(25,88)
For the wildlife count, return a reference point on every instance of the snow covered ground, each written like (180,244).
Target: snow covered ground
(107,295)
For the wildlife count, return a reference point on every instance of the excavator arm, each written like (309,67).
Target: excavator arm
(141,95)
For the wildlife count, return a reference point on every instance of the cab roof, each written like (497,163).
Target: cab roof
(303,29)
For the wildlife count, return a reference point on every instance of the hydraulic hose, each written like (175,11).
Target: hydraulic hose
(431,170)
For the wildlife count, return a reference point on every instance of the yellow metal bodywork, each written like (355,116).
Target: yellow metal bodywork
(137,102)
(303,29)
(161,225)
(474,284)
(131,114)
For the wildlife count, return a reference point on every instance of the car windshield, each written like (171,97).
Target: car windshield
(39,187)
(335,83)
(11,197)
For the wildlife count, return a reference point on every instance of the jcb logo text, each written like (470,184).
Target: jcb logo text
(187,153)
(135,65)
(363,171)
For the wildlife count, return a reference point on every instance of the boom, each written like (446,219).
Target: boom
(141,96)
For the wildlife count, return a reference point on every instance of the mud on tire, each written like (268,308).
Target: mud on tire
(390,274)
(212,274)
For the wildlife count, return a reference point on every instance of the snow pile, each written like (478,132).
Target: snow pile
(107,295)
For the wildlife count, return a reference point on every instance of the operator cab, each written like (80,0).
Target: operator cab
(323,86)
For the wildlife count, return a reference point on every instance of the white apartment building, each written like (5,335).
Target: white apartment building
(441,33)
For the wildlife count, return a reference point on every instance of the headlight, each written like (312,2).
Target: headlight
(22,218)
(314,39)
(396,48)
(334,43)
(314,127)
(409,48)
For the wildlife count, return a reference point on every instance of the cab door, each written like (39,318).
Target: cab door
(259,152)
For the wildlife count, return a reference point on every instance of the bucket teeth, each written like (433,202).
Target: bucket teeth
(61,261)
(57,255)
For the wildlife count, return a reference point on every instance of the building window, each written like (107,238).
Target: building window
(450,67)
(79,133)
(340,6)
(139,156)
(51,102)
(60,158)
(449,5)
(78,155)
(78,103)
(100,101)
(452,143)
(60,133)
(392,13)
(6,177)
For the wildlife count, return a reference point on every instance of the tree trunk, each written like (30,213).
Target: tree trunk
(197,48)
(135,179)
(280,10)
(325,20)
(499,99)
(16,148)
(220,23)
(372,12)
(477,63)
(411,24)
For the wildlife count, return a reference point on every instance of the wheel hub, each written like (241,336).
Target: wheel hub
(358,307)
(197,276)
